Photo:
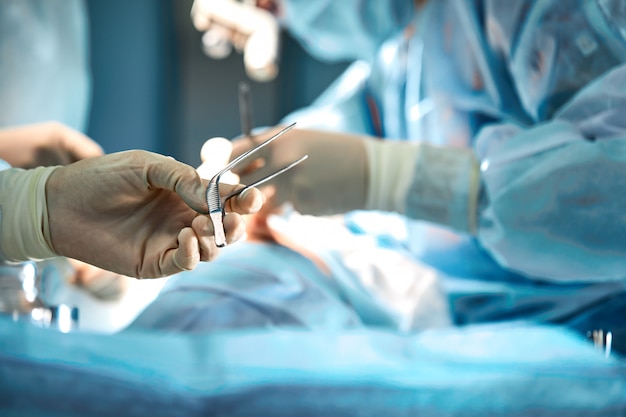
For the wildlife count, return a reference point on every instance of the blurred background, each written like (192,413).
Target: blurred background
(155,89)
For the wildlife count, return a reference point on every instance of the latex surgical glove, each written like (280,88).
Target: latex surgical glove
(215,154)
(349,172)
(45,144)
(332,180)
(425,182)
(250,29)
(135,213)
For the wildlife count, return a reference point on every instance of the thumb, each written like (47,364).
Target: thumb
(80,146)
(166,173)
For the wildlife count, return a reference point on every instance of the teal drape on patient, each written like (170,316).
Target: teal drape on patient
(489,370)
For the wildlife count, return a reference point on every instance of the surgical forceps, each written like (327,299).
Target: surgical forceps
(217,204)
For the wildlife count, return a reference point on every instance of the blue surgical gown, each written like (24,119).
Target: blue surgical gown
(536,88)
(540,108)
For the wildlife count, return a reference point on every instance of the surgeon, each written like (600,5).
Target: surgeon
(492,130)
(510,121)
(504,146)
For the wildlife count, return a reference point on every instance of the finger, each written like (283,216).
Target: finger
(166,173)
(79,146)
(200,16)
(248,202)
(184,258)
(203,228)
(269,200)
(216,150)
(260,158)
(215,154)
(234,226)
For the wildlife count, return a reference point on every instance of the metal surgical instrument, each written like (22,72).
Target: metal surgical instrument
(602,340)
(245,109)
(217,204)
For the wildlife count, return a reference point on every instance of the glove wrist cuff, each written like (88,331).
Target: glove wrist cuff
(24,221)
(445,188)
(390,168)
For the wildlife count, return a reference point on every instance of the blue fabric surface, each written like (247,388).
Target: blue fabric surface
(536,88)
(474,371)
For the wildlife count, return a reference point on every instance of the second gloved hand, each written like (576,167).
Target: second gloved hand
(349,172)
(45,144)
(332,180)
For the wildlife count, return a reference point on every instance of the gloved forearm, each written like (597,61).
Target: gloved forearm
(332,180)
(353,172)
(425,182)
(45,144)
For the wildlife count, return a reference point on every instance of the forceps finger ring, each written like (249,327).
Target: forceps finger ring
(215,201)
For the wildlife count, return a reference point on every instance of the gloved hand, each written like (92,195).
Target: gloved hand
(53,143)
(135,213)
(332,180)
(45,144)
(252,30)
(349,172)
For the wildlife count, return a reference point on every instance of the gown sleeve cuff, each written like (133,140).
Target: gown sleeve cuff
(25,229)
(390,169)
(445,188)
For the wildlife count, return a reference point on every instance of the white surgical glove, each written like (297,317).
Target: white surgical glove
(45,144)
(435,184)
(135,213)
(215,154)
(349,172)
(332,180)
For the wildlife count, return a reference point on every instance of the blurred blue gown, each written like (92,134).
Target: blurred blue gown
(537,90)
